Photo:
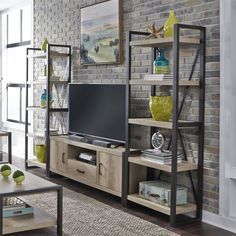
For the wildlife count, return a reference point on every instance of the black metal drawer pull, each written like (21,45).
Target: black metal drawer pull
(80,171)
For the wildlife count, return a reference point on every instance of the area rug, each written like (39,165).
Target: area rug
(85,216)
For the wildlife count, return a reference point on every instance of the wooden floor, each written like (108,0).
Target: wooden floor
(144,213)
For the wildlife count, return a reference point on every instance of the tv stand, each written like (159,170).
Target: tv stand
(106,175)
(97,142)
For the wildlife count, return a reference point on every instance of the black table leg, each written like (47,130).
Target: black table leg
(1,216)
(59,211)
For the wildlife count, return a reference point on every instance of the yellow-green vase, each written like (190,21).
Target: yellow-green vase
(161,107)
(40,151)
(169,24)
(44,45)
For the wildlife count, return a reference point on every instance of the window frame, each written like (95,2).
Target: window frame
(20,86)
(15,124)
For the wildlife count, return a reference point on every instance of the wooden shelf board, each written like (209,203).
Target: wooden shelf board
(161,124)
(58,109)
(44,108)
(35,162)
(166,42)
(164,82)
(40,219)
(36,135)
(181,209)
(34,108)
(44,81)
(43,55)
(184,166)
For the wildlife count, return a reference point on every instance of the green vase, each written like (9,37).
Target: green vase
(40,151)
(44,45)
(169,24)
(161,107)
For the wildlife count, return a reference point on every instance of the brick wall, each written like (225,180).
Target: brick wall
(59,20)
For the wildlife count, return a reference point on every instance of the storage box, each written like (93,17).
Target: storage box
(160,192)
(142,186)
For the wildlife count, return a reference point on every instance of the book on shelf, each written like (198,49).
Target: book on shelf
(164,161)
(157,152)
(53,131)
(158,77)
(158,156)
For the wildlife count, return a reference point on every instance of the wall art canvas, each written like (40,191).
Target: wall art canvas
(100,33)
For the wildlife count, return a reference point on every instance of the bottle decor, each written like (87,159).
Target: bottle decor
(169,24)
(161,64)
(43,99)
(44,45)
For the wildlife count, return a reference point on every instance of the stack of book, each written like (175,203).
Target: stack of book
(158,156)
(53,132)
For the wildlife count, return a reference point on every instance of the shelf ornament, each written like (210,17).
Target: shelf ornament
(158,140)
(154,32)
(40,151)
(44,45)
(43,99)
(169,24)
(161,107)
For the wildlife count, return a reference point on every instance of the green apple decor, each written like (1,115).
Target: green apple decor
(5,171)
(18,177)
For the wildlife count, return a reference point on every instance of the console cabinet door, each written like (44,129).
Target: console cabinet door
(110,171)
(59,156)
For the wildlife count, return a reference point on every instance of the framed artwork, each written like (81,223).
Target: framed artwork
(100,35)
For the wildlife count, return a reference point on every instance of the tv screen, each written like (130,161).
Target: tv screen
(97,110)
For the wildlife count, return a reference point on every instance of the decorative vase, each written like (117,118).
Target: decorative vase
(18,177)
(40,151)
(43,99)
(161,64)
(44,45)
(169,24)
(5,171)
(161,107)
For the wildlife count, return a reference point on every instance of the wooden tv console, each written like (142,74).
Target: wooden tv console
(106,175)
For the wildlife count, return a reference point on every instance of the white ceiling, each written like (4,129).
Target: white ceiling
(4,4)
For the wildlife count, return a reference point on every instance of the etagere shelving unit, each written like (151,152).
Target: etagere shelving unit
(53,51)
(178,214)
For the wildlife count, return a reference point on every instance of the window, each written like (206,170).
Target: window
(15,108)
(16,37)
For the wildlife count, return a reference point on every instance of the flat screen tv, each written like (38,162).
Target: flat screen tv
(97,110)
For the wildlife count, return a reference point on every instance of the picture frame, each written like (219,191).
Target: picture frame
(100,33)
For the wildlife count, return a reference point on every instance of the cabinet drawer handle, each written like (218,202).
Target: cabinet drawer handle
(63,158)
(99,169)
(80,171)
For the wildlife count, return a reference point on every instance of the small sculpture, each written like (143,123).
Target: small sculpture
(154,32)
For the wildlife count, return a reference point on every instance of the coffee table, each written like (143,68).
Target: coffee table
(40,219)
